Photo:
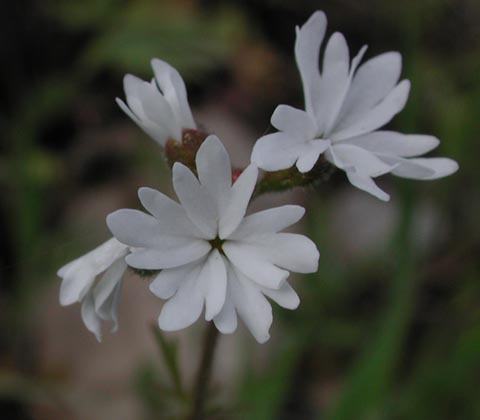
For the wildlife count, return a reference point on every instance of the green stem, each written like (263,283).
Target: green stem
(288,179)
(203,374)
(168,350)
(185,151)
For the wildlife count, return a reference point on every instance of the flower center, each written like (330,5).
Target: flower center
(217,244)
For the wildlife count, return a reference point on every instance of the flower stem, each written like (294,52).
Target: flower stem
(288,179)
(203,374)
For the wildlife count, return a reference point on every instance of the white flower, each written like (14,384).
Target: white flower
(212,255)
(160,107)
(100,297)
(343,108)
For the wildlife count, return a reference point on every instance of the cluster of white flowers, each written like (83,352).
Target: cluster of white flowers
(343,109)
(209,253)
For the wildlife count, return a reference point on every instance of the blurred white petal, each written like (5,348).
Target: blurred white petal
(90,318)
(215,172)
(307,49)
(240,195)
(173,88)
(213,277)
(155,259)
(268,221)
(198,205)
(347,156)
(278,151)
(376,117)
(99,297)
(307,159)
(252,307)
(170,215)
(425,168)
(290,251)
(255,265)
(293,121)
(167,282)
(226,319)
(395,144)
(286,297)
(372,82)
(78,275)
(334,79)
(185,307)
(365,183)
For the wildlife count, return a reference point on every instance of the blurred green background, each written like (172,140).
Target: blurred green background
(388,329)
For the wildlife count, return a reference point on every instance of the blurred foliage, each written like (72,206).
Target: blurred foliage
(130,34)
(395,335)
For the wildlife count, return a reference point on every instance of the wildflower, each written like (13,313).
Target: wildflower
(343,109)
(159,107)
(99,297)
(210,254)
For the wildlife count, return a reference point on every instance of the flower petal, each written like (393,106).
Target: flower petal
(371,84)
(252,307)
(185,307)
(90,317)
(278,151)
(395,144)
(290,251)
(167,282)
(132,85)
(253,265)
(286,297)
(241,193)
(152,113)
(159,112)
(159,134)
(110,279)
(335,107)
(268,221)
(155,259)
(79,275)
(124,107)
(307,160)
(335,80)
(76,282)
(215,171)
(307,48)
(170,215)
(376,117)
(196,202)
(425,168)
(347,156)
(173,88)
(213,278)
(226,319)
(138,229)
(108,311)
(365,183)
(293,121)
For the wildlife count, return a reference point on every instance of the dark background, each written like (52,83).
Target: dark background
(389,328)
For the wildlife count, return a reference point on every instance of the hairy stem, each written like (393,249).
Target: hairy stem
(203,374)
(288,179)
